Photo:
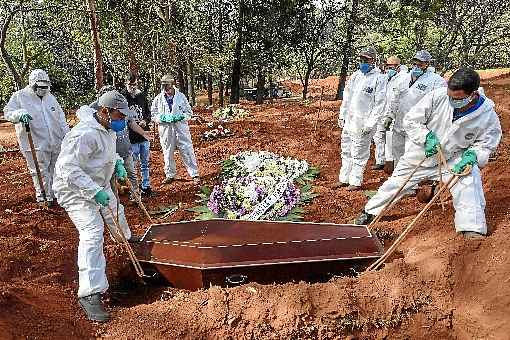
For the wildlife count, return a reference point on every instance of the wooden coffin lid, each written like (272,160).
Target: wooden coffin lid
(232,243)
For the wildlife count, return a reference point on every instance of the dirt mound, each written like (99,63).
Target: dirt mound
(438,285)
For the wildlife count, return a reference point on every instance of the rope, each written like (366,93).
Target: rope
(127,246)
(451,182)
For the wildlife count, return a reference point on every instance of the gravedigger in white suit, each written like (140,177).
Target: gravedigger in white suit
(384,136)
(361,110)
(411,87)
(171,110)
(83,174)
(35,106)
(461,121)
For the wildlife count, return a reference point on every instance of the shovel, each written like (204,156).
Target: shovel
(36,162)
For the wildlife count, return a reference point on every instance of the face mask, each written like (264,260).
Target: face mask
(416,72)
(118,125)
(392,73)
(460,103)
(365,67)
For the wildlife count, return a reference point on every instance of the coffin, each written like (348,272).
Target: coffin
(198,254)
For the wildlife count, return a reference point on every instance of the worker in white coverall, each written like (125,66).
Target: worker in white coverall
(394,70)
(83,173)
(410,89)
(35,106)
(362,108)
(462,122)
(171,111)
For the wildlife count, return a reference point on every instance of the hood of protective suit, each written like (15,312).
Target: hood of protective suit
(86,116)
(38,76)
(431,69)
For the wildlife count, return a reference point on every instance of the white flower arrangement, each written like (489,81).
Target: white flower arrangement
(230,112)
(262,164)
(259,185)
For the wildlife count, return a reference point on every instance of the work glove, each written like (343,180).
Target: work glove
(120,170)
(468,158)
(102,198)
(25,118)
(431,144)
(178,117)
(164,118)
(387,123)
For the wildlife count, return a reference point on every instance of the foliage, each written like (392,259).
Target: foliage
(195,39)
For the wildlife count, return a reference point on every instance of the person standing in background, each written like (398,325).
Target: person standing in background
(171,110)
(140,144)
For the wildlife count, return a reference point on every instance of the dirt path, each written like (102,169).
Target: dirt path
(439,286)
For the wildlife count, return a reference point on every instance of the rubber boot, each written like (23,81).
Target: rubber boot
(364,219)
(93,307)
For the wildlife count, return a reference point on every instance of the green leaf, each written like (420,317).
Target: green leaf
(370,193)
(306,188)
(206,190)
(163,210)
(200,209)
(297,210)
(206,216)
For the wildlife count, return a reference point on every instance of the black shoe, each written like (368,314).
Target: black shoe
(93,307)
(147,192)
(473,235)
(135,239)
(364,219)
(340,185)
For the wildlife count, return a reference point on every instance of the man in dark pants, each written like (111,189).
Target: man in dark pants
(140,146)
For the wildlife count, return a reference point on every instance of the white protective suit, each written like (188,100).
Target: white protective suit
(175,135)
(48,127)
(84,167)
(479,131)
(383,152)
(404,98)
(361,110)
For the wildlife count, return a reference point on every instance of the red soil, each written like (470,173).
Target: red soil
(440,286)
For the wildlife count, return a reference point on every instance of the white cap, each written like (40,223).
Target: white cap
(38,76)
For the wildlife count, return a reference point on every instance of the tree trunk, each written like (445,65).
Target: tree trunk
(180,79)
(271,88)
(236,67)
(191,83)
(261,81)
(221,89)
(96,44)
(6,58)
(306,81)
(347,50)
(210,88)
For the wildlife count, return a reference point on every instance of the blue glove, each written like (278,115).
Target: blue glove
(120,170)
(25,118)
(102,198)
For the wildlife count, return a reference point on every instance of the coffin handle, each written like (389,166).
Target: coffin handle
(236,280)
